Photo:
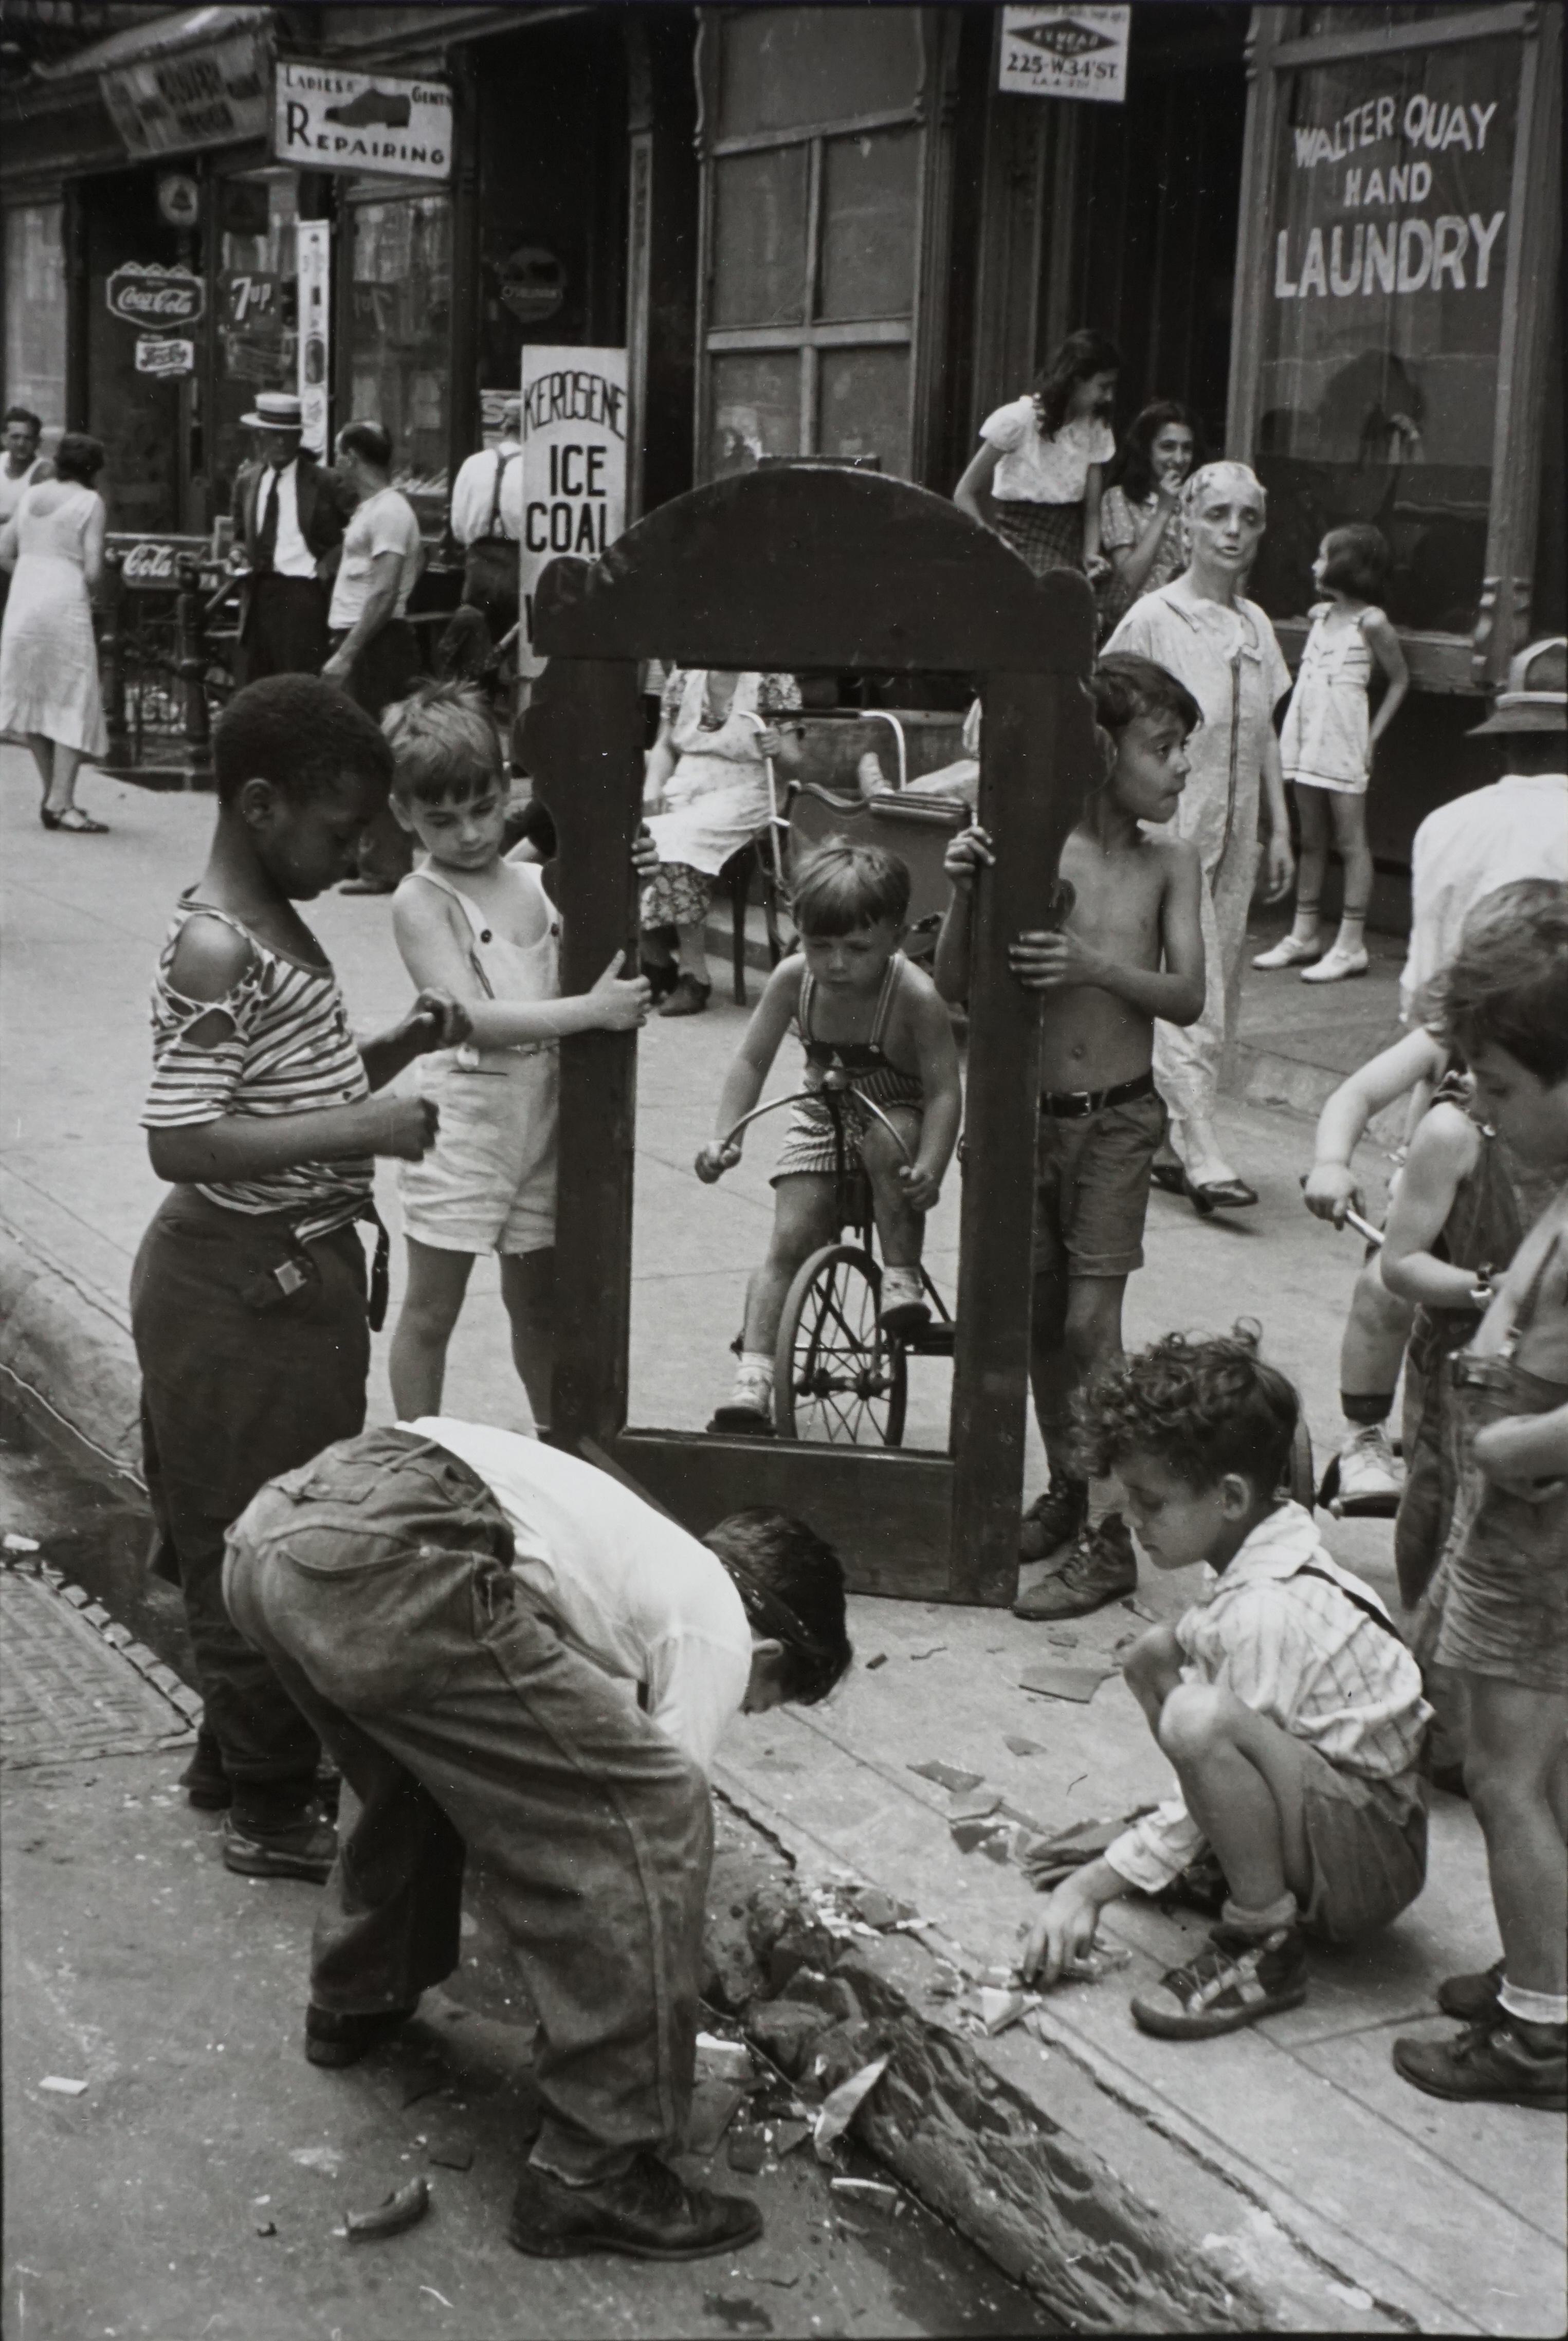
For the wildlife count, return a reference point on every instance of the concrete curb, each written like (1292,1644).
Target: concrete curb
(1074,2179)
(69,1364)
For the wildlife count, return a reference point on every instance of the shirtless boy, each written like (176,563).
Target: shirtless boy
(1129,950)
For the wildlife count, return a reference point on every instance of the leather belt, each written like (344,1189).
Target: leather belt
(1075,1105)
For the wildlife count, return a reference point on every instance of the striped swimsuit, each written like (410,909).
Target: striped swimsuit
(290,1051)
(810,1143)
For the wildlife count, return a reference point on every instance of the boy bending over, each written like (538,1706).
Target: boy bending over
(1130,949)
(1287,1702)
(868,1018)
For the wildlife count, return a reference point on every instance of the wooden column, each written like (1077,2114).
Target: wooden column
(463,431)
(1028,826)
(583,742)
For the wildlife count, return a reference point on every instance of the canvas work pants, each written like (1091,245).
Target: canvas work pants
(376,1580)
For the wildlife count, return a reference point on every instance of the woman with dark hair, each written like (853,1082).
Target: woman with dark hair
(1140,517)
(54,544)
(1037,476)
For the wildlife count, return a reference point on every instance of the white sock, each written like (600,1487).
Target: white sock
(1532,2006)
(754,1371)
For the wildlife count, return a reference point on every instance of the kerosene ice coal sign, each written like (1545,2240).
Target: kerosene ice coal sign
(325,119)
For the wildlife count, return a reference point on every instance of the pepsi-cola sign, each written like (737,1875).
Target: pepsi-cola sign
(147,295)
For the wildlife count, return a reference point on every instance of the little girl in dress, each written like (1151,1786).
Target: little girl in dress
(1037,477)
(1326,747)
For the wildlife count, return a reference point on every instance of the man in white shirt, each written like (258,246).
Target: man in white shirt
(1517,828)
(508,1650)
(476,506)
(372,652)
(288,514)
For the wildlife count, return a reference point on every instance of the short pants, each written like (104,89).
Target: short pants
(1507,1610)
(488,1183)
(1366,1840)
(811,1143)
(1092,1188)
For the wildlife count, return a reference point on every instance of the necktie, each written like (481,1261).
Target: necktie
(266,535)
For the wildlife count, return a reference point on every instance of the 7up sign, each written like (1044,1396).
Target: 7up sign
(1065,52)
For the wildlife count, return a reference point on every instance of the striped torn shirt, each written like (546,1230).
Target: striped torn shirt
(290,1051)
(1283,1633)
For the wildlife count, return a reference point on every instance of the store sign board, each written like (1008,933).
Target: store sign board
(573,463)
(325,119)
(1065,52)
(204,96)
(144,293)
(154,564)
(155,354)
(313,263)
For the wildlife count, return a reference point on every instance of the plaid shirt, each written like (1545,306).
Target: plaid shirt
(1297,1650)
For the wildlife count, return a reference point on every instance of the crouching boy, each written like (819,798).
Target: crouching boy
(1286,1701)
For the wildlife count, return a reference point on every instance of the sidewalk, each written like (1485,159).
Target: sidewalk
(1283,2179)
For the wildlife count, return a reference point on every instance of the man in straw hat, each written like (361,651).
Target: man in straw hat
(1517,828)
(289,513)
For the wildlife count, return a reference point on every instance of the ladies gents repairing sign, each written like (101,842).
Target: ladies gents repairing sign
(573,463)
(325,119)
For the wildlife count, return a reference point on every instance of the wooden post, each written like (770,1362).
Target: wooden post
(990,1356)
(111,664)
(583,742)
(191,662)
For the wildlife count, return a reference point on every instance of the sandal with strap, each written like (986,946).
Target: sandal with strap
(74,822)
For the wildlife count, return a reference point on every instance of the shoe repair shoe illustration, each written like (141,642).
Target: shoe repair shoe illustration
(391,109)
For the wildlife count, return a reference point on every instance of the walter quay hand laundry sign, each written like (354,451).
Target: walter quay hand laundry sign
(573,463)
(1394,179)
(327,120)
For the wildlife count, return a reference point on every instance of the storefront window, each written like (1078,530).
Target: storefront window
(36,311)
(254,309)
(399,318)
(814,227)
(1387,258)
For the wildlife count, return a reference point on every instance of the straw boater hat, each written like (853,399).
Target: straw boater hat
(275,410)
(1537,698)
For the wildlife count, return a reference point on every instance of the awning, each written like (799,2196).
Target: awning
(198,77)
(157,36)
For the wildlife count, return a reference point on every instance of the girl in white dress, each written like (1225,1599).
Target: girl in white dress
(487,1185)
(1327,744)
(1038,475)
(54,546)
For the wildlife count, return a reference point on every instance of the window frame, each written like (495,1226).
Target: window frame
(813,335)
(1476,661)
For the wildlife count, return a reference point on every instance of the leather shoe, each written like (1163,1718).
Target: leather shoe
(646,2213)
(331,2037)
(687,997)
(1219,1195)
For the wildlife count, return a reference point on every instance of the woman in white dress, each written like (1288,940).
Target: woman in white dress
(54,546)
(706,797)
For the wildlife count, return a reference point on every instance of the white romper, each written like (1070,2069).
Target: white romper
(488,1183)
(1324,742)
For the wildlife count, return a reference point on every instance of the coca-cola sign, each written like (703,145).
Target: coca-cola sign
(144,293)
